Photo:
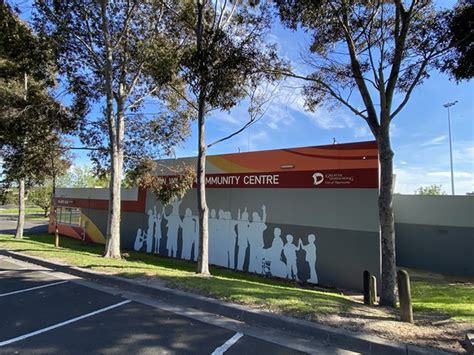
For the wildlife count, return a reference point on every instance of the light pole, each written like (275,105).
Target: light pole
(448,105)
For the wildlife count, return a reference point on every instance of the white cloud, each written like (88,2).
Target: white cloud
(361,131)
(434,141)
(447,174)
(408,179)
(226,118)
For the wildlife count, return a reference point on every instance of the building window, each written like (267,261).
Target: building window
(66,215)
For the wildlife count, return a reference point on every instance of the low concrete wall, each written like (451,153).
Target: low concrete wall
(435,233)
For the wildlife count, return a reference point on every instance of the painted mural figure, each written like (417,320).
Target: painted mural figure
(310,250)
(289,250)
(158,219)
(273,255)
(190,225)
(139,240)
(242,237)
(255,237)
(196,240)
(230,228)
(212,223)
(221,257)
(174,222)
(149,232)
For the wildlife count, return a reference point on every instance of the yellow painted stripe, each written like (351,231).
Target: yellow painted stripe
(91,229)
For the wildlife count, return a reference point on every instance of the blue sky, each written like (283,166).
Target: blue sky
(419,132)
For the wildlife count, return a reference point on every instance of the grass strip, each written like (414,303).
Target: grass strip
(256,291)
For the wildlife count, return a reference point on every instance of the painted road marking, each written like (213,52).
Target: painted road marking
(224,347)
(28,335)
(32,288)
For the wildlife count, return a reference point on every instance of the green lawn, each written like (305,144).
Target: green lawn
(225,284)
(32,213)
(28,210)
(456,300)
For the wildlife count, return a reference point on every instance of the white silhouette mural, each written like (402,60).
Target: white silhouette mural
(273,263)
(229,239)
(149,232)
(174,222)
(310,250)
(190,228)
(255,238)
(158,219)
(289,250)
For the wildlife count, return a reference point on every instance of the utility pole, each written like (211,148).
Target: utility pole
(448,105)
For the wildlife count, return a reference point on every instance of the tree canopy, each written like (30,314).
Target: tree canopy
(459,62)
(369,57)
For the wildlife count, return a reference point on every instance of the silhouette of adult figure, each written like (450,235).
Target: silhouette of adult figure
(242,236)
(289,250)
(189,229)
(255,236)
(212,223)
(273,254)
(149,232)
(230,237)
(310,257)
(174,222)
(158,219)
(220,241)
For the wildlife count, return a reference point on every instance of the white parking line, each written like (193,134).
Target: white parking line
(31,288)
(28,335)
(224,347)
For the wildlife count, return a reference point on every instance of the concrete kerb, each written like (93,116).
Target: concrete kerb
(366,344)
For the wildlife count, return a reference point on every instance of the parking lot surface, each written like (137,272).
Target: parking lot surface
(43,312)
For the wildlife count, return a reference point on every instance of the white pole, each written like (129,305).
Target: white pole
(448,105)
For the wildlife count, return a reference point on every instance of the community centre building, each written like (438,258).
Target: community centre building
(308,214)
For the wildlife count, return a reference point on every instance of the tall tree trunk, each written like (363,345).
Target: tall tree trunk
(203,258)
(21,210)
(21,184)
(112,248)
(388,296)
(112,245)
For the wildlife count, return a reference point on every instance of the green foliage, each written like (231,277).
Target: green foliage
(229,56)
(125,52)
(41,197)
(32,121)
(387,46)
(434,190)
(167,183)
(459,62)
(82,176)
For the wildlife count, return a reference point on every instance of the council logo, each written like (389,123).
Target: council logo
(318,178)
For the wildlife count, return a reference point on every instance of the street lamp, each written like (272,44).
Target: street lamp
(448,105)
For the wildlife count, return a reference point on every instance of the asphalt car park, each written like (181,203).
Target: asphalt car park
(43,313)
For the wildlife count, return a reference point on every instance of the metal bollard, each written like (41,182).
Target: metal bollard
(404,294)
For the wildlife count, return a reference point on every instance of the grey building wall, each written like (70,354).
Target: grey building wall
(344,223)
(435,233)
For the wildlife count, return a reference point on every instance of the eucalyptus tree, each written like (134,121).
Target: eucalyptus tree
(32,120)
(369,56)
(120,54)
(226,60)
(459,62)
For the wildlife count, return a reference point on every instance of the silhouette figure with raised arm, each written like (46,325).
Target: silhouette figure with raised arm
(310,250)
(174,222)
